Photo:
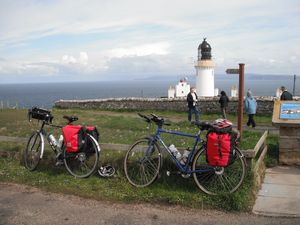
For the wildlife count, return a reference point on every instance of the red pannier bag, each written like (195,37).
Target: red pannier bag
(218,149)
(74,137)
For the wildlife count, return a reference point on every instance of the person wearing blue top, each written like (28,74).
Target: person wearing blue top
(250,107)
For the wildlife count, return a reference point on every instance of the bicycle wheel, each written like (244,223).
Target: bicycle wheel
(142,162)
(33,151)
(84,163)
(216,180)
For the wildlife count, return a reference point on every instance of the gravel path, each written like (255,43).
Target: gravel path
(24,205)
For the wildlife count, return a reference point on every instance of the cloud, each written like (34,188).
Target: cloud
(66,59)
(142,50)
(102,37)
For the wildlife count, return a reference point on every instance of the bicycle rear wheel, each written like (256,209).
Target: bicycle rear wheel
(216,180)
(142,163)
(84,163)
(33,151)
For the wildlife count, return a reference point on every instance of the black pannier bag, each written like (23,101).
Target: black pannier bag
(91,130)
(40,114)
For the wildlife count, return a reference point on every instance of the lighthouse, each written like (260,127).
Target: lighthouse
(205,78)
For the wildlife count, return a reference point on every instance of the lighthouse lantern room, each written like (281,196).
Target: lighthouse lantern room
(205,81)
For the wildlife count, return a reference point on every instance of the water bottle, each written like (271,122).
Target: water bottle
(185,156)
(174,151)
(52,140)
(60,141)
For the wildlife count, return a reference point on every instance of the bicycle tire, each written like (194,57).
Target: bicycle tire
(84,163)
(140,169)
(33,151)
(218,180)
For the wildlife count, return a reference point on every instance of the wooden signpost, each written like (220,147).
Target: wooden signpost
(239,71)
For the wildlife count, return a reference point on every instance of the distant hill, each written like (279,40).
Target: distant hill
(248,76)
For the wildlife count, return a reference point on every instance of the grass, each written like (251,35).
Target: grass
(123,128)
(166,190)
(114,126)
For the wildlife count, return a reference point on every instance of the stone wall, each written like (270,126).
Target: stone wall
(289,145)
(206,104)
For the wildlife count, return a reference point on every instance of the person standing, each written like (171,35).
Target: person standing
(192,100)
(224,103)
(285,94)
(250,107)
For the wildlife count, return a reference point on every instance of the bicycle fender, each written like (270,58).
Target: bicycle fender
(43,144)
(96,142)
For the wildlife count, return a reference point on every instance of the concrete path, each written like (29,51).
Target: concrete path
(280,193)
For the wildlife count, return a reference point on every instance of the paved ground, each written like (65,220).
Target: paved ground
(280,193)
(24,205)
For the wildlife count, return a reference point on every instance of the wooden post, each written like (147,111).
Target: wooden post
(294,85)
(241,98)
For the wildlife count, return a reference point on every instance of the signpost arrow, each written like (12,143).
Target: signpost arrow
(233,71)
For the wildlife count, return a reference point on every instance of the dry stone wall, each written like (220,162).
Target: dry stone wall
(206,104)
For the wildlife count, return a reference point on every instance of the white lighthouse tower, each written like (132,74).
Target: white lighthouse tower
(205,78)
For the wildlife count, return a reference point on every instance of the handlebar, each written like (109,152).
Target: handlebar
(46,117)
(159,121)
(202,125)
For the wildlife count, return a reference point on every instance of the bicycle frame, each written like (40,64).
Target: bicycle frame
(183,168)
(42,132)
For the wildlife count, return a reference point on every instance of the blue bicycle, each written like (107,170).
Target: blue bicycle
(143,161)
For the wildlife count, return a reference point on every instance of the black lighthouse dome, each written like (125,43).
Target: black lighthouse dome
(204,50)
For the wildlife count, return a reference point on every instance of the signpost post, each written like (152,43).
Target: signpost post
(239,71)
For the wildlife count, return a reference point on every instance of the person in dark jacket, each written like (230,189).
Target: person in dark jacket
(285,94)
(223,103)
(250,107)
(192,100)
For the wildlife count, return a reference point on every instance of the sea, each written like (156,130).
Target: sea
(46,94)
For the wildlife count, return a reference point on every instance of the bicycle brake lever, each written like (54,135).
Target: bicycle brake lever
(29,116)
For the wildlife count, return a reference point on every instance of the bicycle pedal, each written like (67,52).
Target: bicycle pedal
(59,163)
(186,175)
(169,173)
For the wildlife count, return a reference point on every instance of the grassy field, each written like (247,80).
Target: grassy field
(122,128)
(115,127)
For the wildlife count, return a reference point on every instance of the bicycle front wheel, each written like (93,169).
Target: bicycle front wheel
(216,180)
(142,162)
(33,151)
(84,163)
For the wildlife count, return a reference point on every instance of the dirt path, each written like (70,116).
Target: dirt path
(24,205)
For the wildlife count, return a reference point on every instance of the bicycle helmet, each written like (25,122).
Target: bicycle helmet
(222,123)
(106,171)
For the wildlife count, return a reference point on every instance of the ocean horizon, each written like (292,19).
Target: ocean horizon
(46,94)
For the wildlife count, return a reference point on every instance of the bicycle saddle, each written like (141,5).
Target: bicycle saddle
(71,119)
(202,125)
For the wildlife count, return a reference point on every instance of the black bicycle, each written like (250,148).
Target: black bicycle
(80,164)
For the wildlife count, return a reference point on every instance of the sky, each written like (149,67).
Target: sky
(94,40)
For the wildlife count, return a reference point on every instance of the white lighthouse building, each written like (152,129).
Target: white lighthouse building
(205,78)
(180,90)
